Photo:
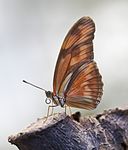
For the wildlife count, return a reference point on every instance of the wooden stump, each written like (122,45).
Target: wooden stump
(107,131)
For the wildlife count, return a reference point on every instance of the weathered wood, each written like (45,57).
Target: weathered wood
(107,131)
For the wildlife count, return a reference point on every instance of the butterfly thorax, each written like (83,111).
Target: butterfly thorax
(57,100)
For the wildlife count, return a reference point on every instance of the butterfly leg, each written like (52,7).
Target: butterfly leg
(65,109)
(50,106)
(70,111)
(52,110)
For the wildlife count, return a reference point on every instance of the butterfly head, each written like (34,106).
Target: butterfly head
(49,96)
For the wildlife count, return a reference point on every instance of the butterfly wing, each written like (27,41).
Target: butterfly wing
(76,53)
(85,88)
(76,47)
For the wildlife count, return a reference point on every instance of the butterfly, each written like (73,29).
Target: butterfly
(77,81)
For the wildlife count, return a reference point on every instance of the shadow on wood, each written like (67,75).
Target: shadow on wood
(107,131)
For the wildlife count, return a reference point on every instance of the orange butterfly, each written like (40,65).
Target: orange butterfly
(77,81)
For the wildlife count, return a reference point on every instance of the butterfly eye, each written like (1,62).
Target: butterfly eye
(48,101)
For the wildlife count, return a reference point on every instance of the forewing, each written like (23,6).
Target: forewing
(85,87)
(76,50)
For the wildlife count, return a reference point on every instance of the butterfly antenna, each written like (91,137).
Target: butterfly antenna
(34,85)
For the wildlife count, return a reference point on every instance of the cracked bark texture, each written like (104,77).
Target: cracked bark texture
(106,131)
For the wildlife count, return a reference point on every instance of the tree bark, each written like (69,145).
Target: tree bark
(106,131)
